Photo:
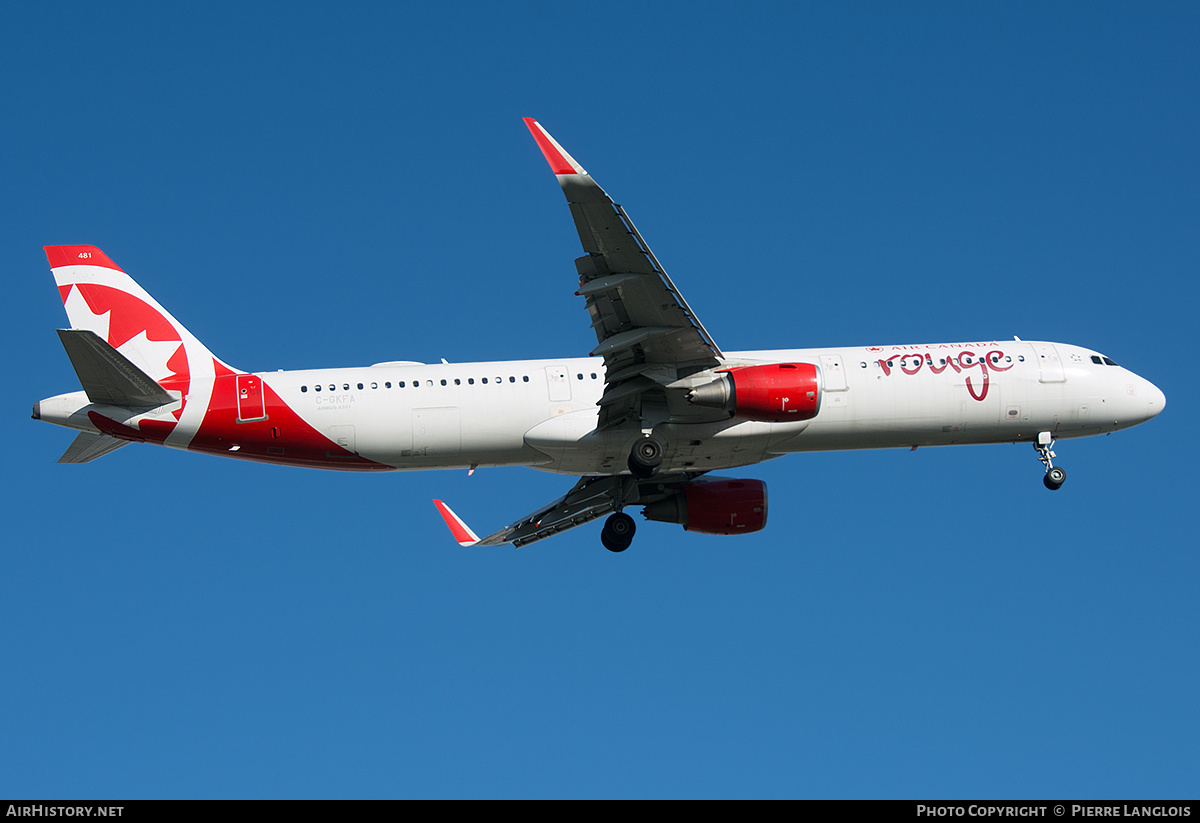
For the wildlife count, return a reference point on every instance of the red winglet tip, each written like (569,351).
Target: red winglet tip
(462,533)
(78,256)
(560,162)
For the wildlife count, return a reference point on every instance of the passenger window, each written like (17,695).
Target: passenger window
(525,378)
(483,380)
(512,379)
(332,387)
(304,388)
(457,382)
(360,385)
(388,384)
(470,381)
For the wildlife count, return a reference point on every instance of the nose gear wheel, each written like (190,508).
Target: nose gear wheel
(1055,476)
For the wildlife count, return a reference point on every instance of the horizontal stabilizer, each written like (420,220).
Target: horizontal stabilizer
(109,377)
(87,447)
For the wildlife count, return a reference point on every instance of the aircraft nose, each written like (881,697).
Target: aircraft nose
(1157,400)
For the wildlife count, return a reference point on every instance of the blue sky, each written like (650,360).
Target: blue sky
(309,186)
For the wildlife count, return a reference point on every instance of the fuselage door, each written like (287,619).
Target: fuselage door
(559,383)
(1049,363)
(250,403)
(833,372)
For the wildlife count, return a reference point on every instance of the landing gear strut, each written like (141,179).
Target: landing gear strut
(645,457)
(618,531)
(1055,476)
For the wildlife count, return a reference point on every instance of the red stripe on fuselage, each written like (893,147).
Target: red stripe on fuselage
(112,427)
(147,431)
(283,437)
(220,369)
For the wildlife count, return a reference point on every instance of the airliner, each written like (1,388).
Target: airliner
(645,420)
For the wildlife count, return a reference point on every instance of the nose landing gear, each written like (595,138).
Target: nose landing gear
(1055,476)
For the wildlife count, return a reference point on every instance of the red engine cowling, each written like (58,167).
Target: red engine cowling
(776,393)
(714,505)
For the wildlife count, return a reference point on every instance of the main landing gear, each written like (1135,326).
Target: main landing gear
(618,531)
(1055,476)
(645,457)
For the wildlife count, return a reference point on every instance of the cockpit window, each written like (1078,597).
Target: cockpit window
(1109,362)
(1096,359)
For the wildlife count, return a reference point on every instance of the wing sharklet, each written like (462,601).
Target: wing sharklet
(461,531)
(558,158)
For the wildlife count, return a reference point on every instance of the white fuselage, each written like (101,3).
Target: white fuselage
(543,413)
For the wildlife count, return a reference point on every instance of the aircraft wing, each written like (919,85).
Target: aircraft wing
(591,497)
(645,330)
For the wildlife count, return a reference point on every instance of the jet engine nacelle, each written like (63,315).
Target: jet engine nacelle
(776,393)
(714,505)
